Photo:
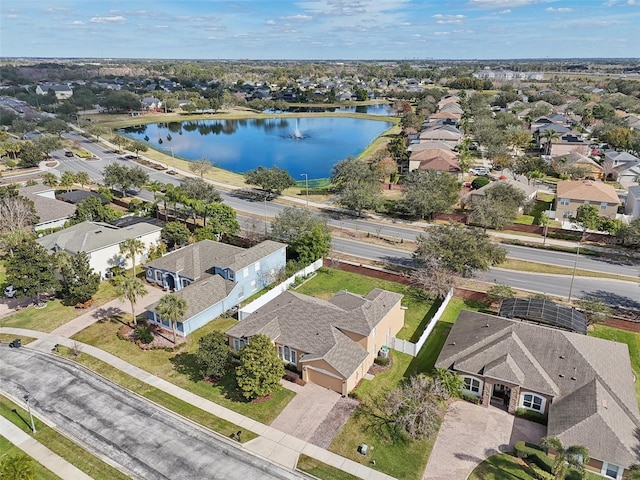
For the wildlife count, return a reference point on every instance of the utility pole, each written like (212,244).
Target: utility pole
(33,425)
(306,181)
(573,275)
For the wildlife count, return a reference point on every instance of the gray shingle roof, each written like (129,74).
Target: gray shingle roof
(316,326)
(91,236)
(591,378)
(194,260)
(48,209)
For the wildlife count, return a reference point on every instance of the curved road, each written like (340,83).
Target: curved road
(146,441)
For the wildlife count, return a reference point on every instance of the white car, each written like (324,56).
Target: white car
(480,171)
(10,291)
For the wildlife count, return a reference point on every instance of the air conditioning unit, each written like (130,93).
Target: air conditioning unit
(384,352)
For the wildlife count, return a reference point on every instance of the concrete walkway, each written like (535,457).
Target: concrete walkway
(273,444)
(471,433)
(42,454)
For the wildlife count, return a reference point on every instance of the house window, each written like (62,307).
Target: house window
(258,266)
(158,276)
(287,354)
(245,273)
(253,284)
(185,282)
(241,291)
(610,470)
(603,205)
(472,385)
(239,343)
(531,401)
(564,201)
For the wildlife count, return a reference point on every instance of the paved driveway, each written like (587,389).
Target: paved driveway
(471,433)
(142,439)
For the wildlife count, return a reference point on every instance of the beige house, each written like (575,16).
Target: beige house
(573,193)
(446,159)
(584,385)
(576,160)
(332,343)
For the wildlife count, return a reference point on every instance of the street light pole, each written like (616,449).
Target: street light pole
(306,182)
(573,275)
(266,233)
(33,425)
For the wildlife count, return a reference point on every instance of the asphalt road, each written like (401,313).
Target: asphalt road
(147,442)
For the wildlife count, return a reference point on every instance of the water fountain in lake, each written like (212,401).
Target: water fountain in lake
(297,134)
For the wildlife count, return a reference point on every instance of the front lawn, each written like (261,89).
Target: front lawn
(322,470)
(55,313)
(504,466)
(328,282)
(623,336)
(180,368)
(10,450)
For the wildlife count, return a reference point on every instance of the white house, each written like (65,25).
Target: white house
(101,242)
(632,204)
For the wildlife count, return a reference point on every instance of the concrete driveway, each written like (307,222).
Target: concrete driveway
(143,440)
(470,434)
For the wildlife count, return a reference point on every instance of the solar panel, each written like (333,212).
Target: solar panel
(546,312)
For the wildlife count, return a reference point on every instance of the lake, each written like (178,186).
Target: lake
(310,145)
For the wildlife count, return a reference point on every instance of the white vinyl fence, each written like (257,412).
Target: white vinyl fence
(247,310)
(412,349)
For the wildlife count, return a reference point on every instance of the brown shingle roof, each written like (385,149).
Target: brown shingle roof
(587,190)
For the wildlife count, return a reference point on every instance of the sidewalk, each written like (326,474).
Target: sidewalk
(40,453)
(272,443)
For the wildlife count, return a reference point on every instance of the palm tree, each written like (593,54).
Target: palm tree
(549,136)
(17,467)
(575,456)
(634,472)
(130,289)
(49,179)
(172,308)
(83,178)
(130,248)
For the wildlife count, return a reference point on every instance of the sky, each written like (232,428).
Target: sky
(320,29)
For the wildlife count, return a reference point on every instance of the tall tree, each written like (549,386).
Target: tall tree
(130,289)
(199,189)
(175,234)
(306,232)
(82,178)
(459,249)
(92,210)
(67,180)
(16,211)
(79,281)
(130,248)
(428,192)
(588,217)
(272,180)
(260,369)
(214,355)
(498,207)
(172,308)
(31,270)
(575,456)
(357,184)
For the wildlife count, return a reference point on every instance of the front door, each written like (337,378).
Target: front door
(500,395)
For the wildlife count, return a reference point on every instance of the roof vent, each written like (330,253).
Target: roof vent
(487,325)
(561,375)
(453,343)
(562,357)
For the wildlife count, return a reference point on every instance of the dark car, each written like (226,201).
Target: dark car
(68,153)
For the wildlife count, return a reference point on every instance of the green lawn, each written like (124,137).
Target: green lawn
(41,473)
(55,313)
(623,336)
(322,470)
(180,368)
(419,311)
(158,396)
(501,467)
(59,444)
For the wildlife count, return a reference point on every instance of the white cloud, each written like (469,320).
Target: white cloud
(441,33)
(445,19)
(490,4)
(633,2)
(559,10)
(504,12)
(77,22)
(461,32)
(302,18)
(270,22)
(55,10)
(112,19)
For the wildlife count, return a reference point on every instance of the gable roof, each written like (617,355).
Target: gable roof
(590,378)
(93,236)
(441,163)
(428,153)
(317,327)
(573,158)
(587,190)
(48,209)
(194,260)
(436,145)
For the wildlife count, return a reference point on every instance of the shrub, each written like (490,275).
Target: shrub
(534,455)
(519,448)
(143,335)
(540,474)
(540,418)
(470,398)
(383,361)
(479,182)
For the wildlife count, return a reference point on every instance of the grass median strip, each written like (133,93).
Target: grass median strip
(535,267)
(322,470)
(59,444)
(40,472)
(164,399)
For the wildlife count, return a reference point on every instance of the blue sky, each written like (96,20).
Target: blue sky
(320,29)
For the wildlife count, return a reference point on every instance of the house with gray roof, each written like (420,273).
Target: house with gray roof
(332,343)
(51,212)
(101,242)
(213,278)
(585,385)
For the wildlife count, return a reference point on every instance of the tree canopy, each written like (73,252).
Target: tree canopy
(357,184)
(175,234)
(79,282)
(272,180)
(260,370)
(214,355)
(31,270)
(306,232)
(428,192)
(498,207)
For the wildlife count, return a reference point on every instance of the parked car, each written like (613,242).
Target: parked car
(480,171)
(10,291)
(68,153)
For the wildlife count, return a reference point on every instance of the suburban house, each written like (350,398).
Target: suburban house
(571,194)
(567,143)
(332,343)
(626,167)
(576,160)
(62,92)
(632,204)
(101,242)
(437,159)
(52,213)
(213,278)
(445,133)
(585,385)
(414,147)
(529,191)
